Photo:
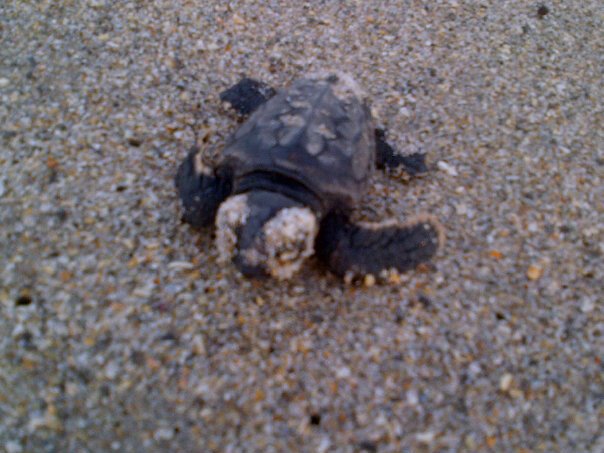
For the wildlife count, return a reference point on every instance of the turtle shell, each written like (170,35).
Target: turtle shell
(318,133)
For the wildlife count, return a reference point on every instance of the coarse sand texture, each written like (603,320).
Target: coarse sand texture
(120,330)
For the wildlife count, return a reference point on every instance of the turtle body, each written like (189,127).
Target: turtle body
(289,178)
(317,133)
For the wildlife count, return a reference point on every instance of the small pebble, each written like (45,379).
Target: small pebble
(587,306)
(343,372)
(534,272)
(4,82)
(505,382)
(163,434)
(425,437)
(461,209)
(470,442)
(324,445)
(412,397)
(447,168)
(394,277)
(369,280)
(491,441)
(496,254)
(238,20)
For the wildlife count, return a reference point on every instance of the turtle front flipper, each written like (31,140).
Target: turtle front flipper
(356,250)
(386,157)
(201,190)
(247,95)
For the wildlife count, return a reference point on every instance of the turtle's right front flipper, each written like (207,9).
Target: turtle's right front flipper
(374,248)
(247,95)
(201,190)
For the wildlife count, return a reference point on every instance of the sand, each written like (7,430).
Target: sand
(119,331)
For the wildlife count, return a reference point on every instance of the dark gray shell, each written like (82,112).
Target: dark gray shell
(318,132)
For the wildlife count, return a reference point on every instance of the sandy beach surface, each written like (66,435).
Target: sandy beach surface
(119,331)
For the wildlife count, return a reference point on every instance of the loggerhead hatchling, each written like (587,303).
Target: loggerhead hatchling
(291,175)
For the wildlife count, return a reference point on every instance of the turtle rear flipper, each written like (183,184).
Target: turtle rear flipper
(247,95)
(375,248)
(387,157)
(200,189)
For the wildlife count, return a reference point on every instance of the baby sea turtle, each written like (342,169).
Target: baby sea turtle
(291,175)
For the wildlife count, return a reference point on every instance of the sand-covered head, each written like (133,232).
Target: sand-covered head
(265,234)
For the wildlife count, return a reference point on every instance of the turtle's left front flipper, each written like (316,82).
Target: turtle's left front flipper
(375,248)
(387,157)
(247,95)
(201,190)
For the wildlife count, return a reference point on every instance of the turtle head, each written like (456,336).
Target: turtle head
(265,233)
